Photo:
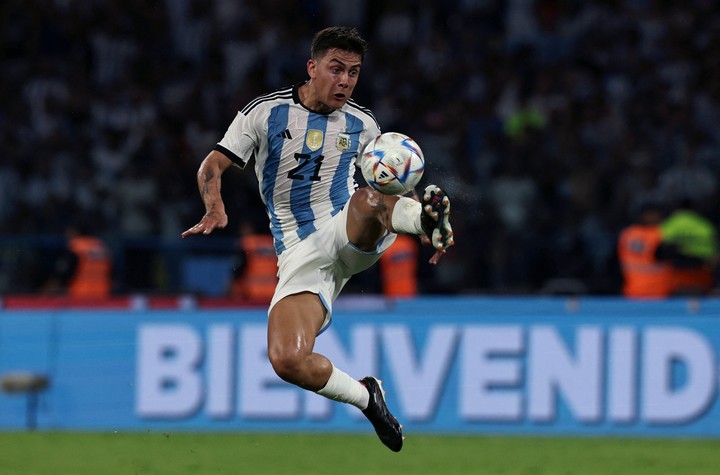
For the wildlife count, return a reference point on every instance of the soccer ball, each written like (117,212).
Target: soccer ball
(392,163)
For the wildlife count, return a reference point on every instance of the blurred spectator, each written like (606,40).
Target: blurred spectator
(688,180)
(513,194)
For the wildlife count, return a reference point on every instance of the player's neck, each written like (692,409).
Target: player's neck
(309,98)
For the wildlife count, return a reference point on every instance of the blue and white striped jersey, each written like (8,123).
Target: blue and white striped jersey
(304,161)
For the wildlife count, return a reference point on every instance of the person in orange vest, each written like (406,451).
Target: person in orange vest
(645,272)
(85,271)
(255,277)
(399,266)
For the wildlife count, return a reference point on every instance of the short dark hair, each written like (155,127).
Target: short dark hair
(344,38)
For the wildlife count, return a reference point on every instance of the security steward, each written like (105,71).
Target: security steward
(646,274)
(255,275)
(399,267)
(85,270)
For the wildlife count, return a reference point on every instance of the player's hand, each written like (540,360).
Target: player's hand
(208,224)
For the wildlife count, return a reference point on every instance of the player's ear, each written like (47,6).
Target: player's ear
(311,68)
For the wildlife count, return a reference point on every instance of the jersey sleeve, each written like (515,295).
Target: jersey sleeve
(240,140)
(371,131)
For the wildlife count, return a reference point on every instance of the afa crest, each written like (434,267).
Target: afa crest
(343,142)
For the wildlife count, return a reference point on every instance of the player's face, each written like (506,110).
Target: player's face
(334,77)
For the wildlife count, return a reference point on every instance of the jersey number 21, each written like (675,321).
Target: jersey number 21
(308,168)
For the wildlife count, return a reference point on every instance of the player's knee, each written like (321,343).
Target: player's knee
(287,365)
(369,203)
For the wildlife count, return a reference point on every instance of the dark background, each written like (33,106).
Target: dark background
(547,121)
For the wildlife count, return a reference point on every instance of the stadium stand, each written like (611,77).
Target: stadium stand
(547,119)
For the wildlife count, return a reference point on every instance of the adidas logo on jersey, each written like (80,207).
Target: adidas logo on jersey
(285,134)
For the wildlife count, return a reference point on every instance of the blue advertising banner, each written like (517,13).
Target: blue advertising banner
(462,365)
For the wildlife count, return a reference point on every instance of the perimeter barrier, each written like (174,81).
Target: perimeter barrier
(581,366)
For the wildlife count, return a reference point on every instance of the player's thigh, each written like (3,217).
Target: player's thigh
(293,323)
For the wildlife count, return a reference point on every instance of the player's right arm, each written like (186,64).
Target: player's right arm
(208,178)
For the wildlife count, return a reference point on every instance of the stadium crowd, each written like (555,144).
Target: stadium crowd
(549,122)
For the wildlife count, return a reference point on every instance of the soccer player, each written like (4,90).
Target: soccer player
(305,140)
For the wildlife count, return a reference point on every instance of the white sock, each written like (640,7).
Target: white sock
(341,387)
(406,216)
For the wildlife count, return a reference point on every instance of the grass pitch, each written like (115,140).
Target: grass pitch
(200,453)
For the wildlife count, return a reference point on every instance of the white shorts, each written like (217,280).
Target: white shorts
(323,262)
